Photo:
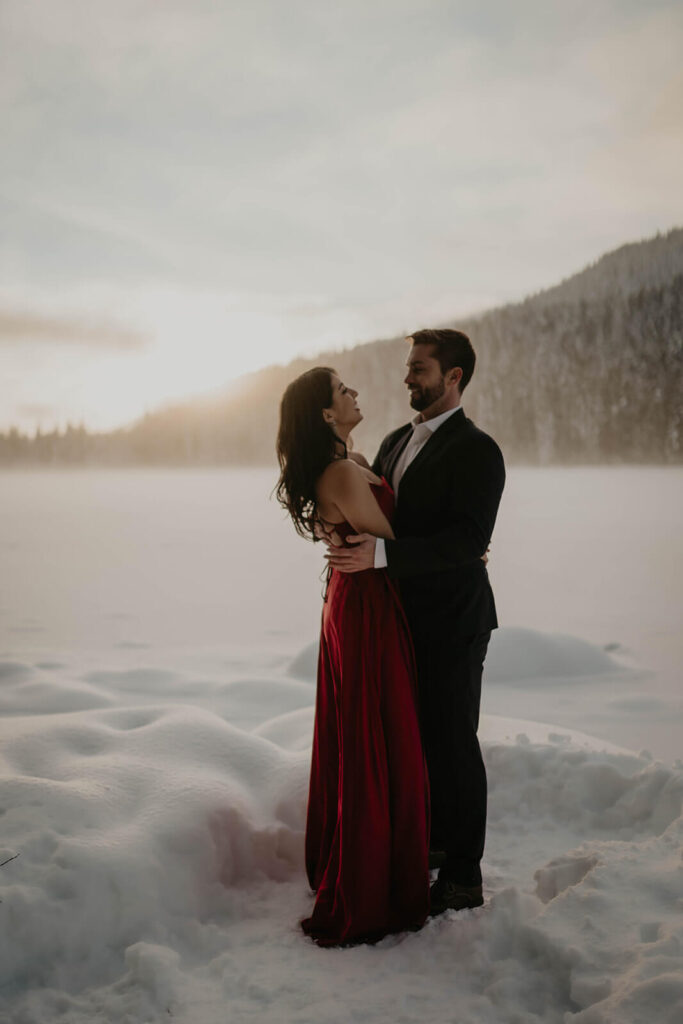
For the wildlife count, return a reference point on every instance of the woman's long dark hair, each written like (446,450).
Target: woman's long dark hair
(306,445)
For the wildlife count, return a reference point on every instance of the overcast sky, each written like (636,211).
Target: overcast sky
(190,190)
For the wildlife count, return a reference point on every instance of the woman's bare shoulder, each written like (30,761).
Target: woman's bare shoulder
(340,473)
(343,477)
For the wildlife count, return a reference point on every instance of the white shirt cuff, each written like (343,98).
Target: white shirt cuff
(380,554)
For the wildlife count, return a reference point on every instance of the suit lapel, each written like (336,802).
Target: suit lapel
(393,456)
(434,445)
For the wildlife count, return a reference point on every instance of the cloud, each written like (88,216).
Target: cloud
(18,327)
(37,411)
(393,163)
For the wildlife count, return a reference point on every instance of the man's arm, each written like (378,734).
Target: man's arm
(477,489)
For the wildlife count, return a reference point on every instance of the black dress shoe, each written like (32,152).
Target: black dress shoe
(437,859)
(445,895)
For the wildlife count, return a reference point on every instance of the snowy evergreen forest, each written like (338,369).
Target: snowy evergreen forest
(589,371)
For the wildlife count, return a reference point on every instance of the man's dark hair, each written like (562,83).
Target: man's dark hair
(451,348)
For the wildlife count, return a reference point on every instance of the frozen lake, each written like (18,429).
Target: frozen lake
(130,568)
(157,680)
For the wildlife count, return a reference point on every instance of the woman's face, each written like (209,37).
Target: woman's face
(344,409)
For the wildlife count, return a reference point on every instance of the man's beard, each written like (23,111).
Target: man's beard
(422,398)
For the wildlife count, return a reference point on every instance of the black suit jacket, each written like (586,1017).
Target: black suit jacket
(445,512)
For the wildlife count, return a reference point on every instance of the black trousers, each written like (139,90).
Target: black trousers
(449,678)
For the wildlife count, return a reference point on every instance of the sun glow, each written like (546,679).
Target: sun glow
(195,343)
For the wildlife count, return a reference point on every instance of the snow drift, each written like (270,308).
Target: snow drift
(158,821)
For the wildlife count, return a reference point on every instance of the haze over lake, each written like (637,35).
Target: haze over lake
(152,568)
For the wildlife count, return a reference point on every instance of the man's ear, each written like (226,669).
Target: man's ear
(455,375)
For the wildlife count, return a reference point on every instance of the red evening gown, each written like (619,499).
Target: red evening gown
(367,828)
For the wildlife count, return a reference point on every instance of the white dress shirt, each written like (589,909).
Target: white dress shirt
(422,431)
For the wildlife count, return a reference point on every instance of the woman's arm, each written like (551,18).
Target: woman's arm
(476,494)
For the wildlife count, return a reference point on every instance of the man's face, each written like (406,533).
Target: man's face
(424,378)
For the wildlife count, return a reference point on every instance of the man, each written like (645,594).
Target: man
(448,478)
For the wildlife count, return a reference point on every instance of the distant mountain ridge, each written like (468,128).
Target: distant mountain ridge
(631,267)
(587,371)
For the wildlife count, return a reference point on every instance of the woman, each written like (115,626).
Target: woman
(367,823)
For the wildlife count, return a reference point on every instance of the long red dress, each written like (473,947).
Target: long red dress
(367,829)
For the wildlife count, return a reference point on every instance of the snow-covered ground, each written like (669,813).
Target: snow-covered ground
(157,650)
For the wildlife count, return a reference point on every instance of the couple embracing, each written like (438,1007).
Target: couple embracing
(398,784)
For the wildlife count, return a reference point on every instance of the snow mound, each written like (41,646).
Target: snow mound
(514,655)
(292,731)
(527,656)
(158,869)
(128,821)
(305,664)
(246,702)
